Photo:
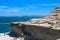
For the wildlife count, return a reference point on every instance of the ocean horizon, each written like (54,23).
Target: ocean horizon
(5,22)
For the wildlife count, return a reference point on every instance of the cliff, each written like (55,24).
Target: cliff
(47,28)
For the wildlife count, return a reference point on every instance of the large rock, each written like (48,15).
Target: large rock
(47,28)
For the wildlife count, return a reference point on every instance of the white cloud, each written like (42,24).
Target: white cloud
(12,10)
(3,7)
(9,9)
(15,10)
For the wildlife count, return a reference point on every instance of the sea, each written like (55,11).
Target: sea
(5,21)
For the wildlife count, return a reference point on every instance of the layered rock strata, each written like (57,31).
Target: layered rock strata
(47,28)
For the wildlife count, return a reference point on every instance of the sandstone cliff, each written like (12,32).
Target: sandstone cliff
(52,21)
(47,28)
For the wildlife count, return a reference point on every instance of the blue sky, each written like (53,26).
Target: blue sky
(27,7)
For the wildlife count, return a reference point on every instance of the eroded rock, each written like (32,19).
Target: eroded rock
(47,28)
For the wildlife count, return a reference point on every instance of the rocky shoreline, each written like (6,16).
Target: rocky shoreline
(5,36)
(47,28)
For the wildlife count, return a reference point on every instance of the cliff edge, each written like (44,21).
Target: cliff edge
(47,28)
(51,21)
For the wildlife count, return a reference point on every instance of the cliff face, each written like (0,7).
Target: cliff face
(52,20)
(47,28)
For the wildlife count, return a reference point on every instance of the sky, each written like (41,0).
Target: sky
(27,7)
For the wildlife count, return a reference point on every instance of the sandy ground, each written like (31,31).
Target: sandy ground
(7,37)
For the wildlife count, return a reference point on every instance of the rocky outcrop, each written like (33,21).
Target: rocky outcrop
(47,28)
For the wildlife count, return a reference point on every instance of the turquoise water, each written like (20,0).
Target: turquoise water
(7,28)
(4,28)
